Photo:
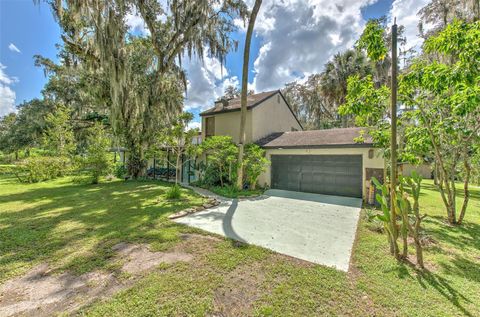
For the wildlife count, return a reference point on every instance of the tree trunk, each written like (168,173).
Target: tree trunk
(466,193)
(243,113)
(178,167)
(393,144)
(416,234)
(405,233)
(136,161)
(417,242)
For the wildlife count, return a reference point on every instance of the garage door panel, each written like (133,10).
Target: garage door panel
(323,174)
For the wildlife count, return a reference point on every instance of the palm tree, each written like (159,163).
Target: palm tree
(333,82)
(243,101)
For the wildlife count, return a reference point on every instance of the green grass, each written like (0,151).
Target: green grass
(73,227)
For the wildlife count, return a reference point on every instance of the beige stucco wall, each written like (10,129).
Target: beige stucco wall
(273,115)
(375,162)
(229,124)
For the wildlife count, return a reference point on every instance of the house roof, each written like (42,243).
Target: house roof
(234,104)
(344,137)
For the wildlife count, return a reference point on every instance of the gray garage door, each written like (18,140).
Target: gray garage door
(322,174)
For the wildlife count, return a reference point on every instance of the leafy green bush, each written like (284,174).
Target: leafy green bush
(221,153)
(98,162)
(120,171)
(174,192)
(6,169)
(255,163)
(232,191)
(42,168)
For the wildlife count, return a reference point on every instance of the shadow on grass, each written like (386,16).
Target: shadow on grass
(443,287)
(55,220)
(428,279)
(461,236)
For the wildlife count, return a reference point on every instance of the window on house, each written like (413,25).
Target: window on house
(209,127)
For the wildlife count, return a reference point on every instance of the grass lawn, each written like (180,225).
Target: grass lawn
(73,227)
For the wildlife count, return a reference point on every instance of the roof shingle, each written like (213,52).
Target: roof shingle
(234,104)
(316,138)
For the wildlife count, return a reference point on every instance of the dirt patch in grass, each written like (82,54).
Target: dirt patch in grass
(239,291)
(41,292)
(138,257)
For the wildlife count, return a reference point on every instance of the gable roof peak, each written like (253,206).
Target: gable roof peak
(235,103)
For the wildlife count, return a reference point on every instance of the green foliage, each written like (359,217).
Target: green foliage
(255,163)
(209,175)
(383,198)
(98,161)
(372,40)
(221,154)
(411,218)
(369,106)
(120,171)
(7,169)
(8,143)
(24,130)
(444,97)
(231,191)
(145,82)
(41,168)
(174,192)
(59,137)
(178,138)
(365,101)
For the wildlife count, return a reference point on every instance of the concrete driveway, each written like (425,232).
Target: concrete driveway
(311,227)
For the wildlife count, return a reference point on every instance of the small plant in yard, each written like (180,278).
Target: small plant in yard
(221,156)
(97,161)
(177,138)
(120,171)
(255,163)
(414,219)
(372,222)
(410,216)
(42,168)
(174,192)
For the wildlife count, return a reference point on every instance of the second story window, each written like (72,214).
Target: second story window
(209,126)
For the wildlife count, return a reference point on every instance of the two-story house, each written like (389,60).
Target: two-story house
(316,161)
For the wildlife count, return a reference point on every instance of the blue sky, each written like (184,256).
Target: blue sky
(293,39)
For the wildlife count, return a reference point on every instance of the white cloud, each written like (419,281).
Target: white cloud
(13,48)
(194,125)
(7,95)
(206,81)
(135,23)
(300,36)
(406,13)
